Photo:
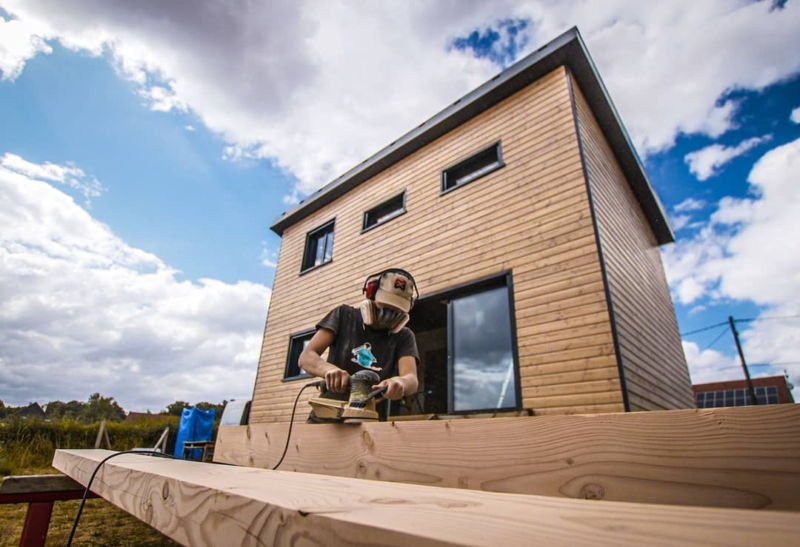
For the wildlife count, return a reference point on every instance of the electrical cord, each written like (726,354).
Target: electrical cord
(162,455)
(94,473)
(291,421)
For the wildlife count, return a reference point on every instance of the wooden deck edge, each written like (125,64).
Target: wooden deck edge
(203,504)
(743,457)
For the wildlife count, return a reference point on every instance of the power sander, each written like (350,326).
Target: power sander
(359,408)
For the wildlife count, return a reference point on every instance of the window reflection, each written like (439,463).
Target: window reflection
(484,377)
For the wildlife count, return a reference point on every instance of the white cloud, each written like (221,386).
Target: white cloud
(679,222)
(795,116)
(269,259)
(689,204)
(19,41)
(748,252)
(81,311)
(709,365)
(706,162)
(318,87)
(189,128)
(69,175)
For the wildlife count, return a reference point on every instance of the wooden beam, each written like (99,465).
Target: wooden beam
(727,457)
(203,504)
(35,484)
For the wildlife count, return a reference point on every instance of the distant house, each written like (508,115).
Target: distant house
(32,411)
(773,390)
(147,416)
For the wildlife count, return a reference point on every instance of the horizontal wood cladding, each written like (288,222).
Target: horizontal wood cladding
(654,365)
(531,217)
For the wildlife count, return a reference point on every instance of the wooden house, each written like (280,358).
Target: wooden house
(533,232)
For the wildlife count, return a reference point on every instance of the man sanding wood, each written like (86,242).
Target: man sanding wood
(371,337)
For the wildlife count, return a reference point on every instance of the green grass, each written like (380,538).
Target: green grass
(101,525)
(27,448)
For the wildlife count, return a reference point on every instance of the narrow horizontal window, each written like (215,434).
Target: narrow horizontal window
(477,165)
(385,212)
(319,246)
(297,343)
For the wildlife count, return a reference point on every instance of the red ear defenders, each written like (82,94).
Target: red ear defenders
(373,282)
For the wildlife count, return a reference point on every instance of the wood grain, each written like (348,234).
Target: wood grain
(200,504)
(655,368)
(531,217)
(728,457)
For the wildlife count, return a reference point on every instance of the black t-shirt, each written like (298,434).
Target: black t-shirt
(350,334)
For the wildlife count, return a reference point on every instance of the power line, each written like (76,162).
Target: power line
(705,329)
(767,318)
(761,365)
(723,331)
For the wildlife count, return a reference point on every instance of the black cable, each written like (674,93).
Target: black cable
(703,329)
(291,421)
(94,473)
(766,318)
(715,339)
(162,455)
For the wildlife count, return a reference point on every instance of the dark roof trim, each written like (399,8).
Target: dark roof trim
(566,50)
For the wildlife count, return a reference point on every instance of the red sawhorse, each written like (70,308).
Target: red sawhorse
(39,492)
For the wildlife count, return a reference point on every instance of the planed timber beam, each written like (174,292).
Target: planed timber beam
(202,504)
(744,457)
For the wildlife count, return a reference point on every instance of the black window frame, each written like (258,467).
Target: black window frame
(386,218)
(309,250)
(447,186)
(293,355)
(503,279)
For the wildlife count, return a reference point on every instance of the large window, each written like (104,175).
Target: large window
(319,246)
(385,212)
(297,343)
(477,165)
(484,374)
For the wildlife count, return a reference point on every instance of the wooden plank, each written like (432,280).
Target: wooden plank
(727,457)
(36,484)
(198,504)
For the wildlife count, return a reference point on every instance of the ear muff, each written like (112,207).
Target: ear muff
(373,282)
(371,288)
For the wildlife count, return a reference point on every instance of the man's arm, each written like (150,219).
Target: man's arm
(406,381)
(311,361)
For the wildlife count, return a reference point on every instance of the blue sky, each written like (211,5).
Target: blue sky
(168,190)
(143,157)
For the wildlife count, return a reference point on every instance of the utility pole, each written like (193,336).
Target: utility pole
(752,390)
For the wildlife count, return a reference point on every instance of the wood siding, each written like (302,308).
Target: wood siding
(654,365)
(531,217)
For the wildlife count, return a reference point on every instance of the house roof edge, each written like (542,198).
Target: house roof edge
(568,50)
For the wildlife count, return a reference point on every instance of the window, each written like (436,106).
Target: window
(385,212)
(297,343)
(467,345)
(479,164)
(319,246)
(484,373)
(767,395)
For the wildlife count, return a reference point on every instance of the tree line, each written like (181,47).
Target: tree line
(97,408)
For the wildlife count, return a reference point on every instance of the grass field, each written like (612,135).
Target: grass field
(101,525)
(27,448)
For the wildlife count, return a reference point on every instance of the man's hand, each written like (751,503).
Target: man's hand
(395,389)
(337,380)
